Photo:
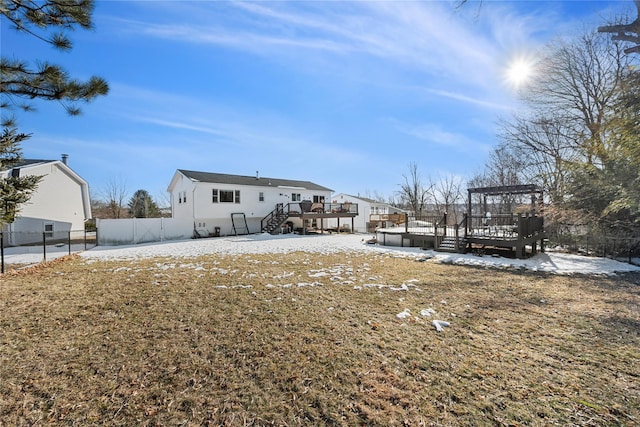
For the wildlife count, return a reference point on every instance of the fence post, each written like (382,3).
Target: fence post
(69,242)
(44,245)
(2,250)
(85,239)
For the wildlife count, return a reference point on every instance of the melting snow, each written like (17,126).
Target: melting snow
(551,262)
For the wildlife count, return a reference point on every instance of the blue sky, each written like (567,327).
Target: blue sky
(344,94)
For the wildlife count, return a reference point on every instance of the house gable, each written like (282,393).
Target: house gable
(62,195)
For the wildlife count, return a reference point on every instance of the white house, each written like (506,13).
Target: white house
(59,204)
(372,213)
(222,204)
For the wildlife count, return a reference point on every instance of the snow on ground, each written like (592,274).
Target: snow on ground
(27,255)
(551,262)
(327,244)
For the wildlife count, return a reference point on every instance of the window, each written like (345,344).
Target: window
(226,196)
(295,197)
(48,230)
(261,196)
(318,199)
(184,196)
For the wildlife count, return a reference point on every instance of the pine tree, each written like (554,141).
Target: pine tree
(20,84)
(142,205)
(15,190)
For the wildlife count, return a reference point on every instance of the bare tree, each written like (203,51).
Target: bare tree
(504,167)
(115,194)
(413,192)
(570,107)
(447,194)
(541,149)
(626,32)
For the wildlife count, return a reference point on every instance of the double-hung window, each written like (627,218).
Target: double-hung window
(182,197)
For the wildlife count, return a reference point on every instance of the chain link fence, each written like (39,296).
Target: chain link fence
(20,249)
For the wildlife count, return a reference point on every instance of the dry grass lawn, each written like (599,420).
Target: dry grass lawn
(300,339)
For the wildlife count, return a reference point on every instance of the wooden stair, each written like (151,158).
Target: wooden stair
(274,223)
(448,244)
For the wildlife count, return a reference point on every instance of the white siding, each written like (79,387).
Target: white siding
(360,221)
(59,197)
(207,215)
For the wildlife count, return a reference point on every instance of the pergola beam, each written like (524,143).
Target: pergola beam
(500,190)
(506,189)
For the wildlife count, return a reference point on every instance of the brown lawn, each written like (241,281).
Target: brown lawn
(238,340)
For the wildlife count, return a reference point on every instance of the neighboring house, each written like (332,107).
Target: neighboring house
(372,214)
(222,204)
(59,204)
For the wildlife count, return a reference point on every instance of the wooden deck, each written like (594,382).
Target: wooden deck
(306,211)
(517,233)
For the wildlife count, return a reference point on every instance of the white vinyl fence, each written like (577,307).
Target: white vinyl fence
(131,231)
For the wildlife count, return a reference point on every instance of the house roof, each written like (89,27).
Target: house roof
(365,199)
(370,201)
(28,162)
(221,178)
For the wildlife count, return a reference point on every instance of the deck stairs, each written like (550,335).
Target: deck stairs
(448,244)
(272,226)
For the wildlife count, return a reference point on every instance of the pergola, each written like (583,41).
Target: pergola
(502,190)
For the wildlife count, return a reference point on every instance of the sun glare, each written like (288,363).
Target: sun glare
(519,72)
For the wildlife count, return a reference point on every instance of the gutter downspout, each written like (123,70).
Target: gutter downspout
(193,200)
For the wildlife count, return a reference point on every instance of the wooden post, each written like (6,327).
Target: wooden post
(519,245)
(484,204)
(457,242)
(444,217)
(469,213)
(466,224)
(2,251)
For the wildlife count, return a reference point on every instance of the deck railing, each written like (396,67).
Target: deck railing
(306,206)
(505,225)
(398,218)
(279,210)
(442,229)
